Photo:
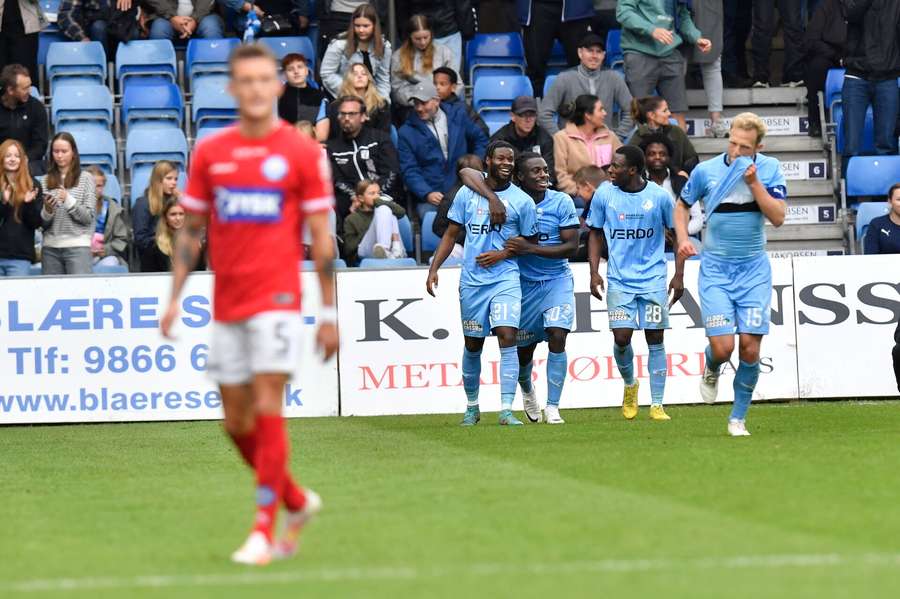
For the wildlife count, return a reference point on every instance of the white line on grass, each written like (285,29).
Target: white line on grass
(261,577)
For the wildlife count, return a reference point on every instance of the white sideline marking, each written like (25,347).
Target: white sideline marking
(412,573)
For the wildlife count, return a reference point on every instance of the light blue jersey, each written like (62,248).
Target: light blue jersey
(555,212)
(735,227)
(470,211)
(635,226)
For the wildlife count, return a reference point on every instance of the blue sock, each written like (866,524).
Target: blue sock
(471,375)
(710,362)
(509,374)
(744,383)
(659,368)
(625,361)
(525,377)
(557,367)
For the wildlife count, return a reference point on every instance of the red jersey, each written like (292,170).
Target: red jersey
(256,192)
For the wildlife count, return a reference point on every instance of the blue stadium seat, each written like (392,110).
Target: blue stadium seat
(82,103)
(495,50)
(35,270)
(46,39)
(498,93)
(113,189)
(387,263)
(614,56)
(311,264)
(50,8)
(140,178)
(76,59)
(834,83)
(207,131)
(548,83)
(430,241)
(406,234)
(495,120)
(96,145)
(140,58)
(395,136)
(872,175)
(339,263)
(110,269)
(212,102)
(865,212)
(868,141)
(450,261)
(557,61)
(147,146)
(296,44)
(152,101)
(208,57)
(36,94)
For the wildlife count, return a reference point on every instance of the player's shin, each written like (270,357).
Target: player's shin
(624,356)
(557,366)
(509,372)
(525,376)
(471,375)
(745,380)
(271,467)
(658,370)
(711,362)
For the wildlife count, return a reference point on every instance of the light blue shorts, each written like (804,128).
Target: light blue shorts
(735,296)
(485,307)
(638,310)
(546,304)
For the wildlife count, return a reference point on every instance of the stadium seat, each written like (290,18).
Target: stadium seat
(208,57)
(872,175)
(152,101)
(548,83)
(113,189)
(311,264)
(147,146)
(450,261)
(495,120)
(96,145)
(110,269)
(35,270)
(82,103)
(865,212)
(46,39)
(296,44)
(498,93)
(395,136)
(834,83)
(430,241)
(387,263)
(614,56)
(36,94)
(868,141)
(140,178)
(406,234)
(212,104)
(557,61)
(141,58)
(495,50)
(50,8)
(84,61)
(206,132)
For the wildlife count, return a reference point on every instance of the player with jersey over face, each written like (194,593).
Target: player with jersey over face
(253,186)
(634,214)
(548,292)
(490,296)
(740,189)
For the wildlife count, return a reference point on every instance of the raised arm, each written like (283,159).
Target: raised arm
(567,249)
(474,180)
(686,249)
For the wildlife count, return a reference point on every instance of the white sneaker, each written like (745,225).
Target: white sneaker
(551,415)
(256,551)
(709,385)
(532,407)
(287,544)
(397,250)
(737,428)
(380,252)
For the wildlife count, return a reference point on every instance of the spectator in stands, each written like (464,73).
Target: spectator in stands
(525,135)
(604,17)
(825,44)
(362,43)
(334,16)
(372,229)
(357,82)
(587,179)
(277,17)
(873,65)
(416,59)
(23,117)
(445,81)
(585,140)
(20,25)
(358,153)
(657,150)
(300,101)
(84,20)
(652,115)
(430,142)
(546,20)
(147,209)
(738,21)
(159,257)
(109,245)
(20,211)
(70,206)
(183,19)
(590,78)
(652,31)
(441,220)
(883,234)
(708,18)
(451,23)
(790,12)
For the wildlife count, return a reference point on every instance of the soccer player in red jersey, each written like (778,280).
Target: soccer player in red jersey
(253,186)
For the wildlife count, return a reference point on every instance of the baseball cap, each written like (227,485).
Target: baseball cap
(524,104)
(423,91)
(592,39)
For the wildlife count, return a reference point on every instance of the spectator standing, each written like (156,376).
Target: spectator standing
(360,153)
(825,44)
(585,140)
(357,82)
(277,17)
(708,17)
(183,19)
(20,24)
(20,211)
(372,230)
(145,213)
(652,31)
(604,17)
(109,246)
(451,23)
(588,78)
(430,142)
(738,22)
(873,65)
(546,20)
(335,16)
(652,115)
(445,81)
(300,101)
(525,135)
(416,59)
(791,15)
(441,219)
(70,205)
(23,117)
(883,234)
(85,20)
(363,43)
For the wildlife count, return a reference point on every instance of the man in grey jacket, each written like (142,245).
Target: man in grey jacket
(183,19)
(587,78)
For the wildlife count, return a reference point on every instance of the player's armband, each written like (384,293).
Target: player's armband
(779,192)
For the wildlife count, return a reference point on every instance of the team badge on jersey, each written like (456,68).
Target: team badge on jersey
(274,168)
(647,205)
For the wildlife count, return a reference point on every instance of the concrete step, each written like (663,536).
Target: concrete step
(805,233)
(764,111)
(818,188)
(751,96)
(771,145)
(822,247)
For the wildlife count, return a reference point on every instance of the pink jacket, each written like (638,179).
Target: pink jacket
(572,150)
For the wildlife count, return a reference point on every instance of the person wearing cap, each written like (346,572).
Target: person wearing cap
(432,139)
(525,135)
(588,78)
(652,32)
(300,101)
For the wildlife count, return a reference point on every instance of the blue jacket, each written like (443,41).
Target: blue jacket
(572,10)
(421,160)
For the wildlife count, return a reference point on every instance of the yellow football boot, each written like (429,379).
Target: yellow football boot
(630,401)
(658,413)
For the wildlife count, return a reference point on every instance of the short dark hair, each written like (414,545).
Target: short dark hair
(249,52)
(891,191)
(634,157)
(10,73)
(497,145)
(590,174)
(576,111)
(657,138)
(523,158)
(293,57)
(343,99)
(450,73)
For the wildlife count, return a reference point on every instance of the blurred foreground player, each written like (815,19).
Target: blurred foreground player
(254,185)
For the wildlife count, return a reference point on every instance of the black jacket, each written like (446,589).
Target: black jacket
(826,32)
(538,141)
(370,156)
(17,238)
(380,120)
(26,123)
(455,100)
(873,48)
(441,221)
(446,18)
(300,104)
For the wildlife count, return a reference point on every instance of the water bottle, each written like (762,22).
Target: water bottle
(252,28)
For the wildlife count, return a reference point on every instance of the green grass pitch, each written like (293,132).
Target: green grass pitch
(809,506)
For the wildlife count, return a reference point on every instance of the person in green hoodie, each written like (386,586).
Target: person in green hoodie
(652,31)
(372,230)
